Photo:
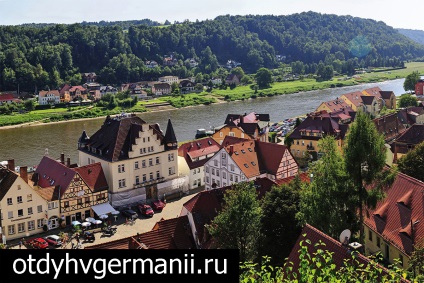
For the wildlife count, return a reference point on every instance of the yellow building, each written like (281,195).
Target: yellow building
(332,105)
(232,131)
(139,161)
(354,100)
(23,211)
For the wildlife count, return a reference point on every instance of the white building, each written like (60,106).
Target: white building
(48,97)
(169,79)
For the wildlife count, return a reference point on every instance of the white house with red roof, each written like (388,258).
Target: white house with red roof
(245,160)
(191,158)
(8,98)
(397,222)
(48,97)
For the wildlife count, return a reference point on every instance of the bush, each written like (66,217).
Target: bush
(42,107)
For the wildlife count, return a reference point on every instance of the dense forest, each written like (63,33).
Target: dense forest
(415,35)
(36,57)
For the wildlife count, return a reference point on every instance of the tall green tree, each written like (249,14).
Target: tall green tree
(237,226)
(412,163)
(365,156)
(279,226)
(407,100)
(325,202)
(411,80)
(263,77)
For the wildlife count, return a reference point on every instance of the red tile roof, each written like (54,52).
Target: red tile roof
(6,97)
(7,178)
(304,178)
(198,148)
(375,91)
(93,176)
(340,253)
(75,88)
(173,233)
(45,92)
(335,105)
(392,217)
(413,135)
(390,126)
(353,98)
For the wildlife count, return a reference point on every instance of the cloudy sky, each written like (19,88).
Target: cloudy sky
(403,14)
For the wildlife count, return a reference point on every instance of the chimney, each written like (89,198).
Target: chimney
(231,149)
(62,158)
(23,172)
(241,119)
(68,162)
(11,165)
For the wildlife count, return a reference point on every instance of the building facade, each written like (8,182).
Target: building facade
(48,97)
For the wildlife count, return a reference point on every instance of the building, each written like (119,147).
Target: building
(77,189)
(407,140)
(8,98)
(151,64)
(48,97)
(397,222)
(389,99)
(332,105)
(104,90)
(191,158)
(245,160)
(371,105)
(232,79)
(24,212)
(89,77)
(354,100)
(245,126)
(139,161)
(389,126)
(78,91)
(419,87)
(316,125)
(186,86)
(161,88)
(216,81)
(169,79)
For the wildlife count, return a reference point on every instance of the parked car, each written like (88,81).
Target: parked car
(53,240)
(146,210)
(158,205)
(38,243)
(129,213)
(88,236)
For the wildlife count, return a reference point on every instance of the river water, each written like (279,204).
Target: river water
(27,145)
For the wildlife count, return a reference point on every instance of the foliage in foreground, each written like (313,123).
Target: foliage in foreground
(320,267)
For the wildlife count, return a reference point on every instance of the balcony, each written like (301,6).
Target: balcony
(310,147)
(149,182)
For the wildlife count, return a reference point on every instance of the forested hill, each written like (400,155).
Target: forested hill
(415,35)
(51,55)
(122,24)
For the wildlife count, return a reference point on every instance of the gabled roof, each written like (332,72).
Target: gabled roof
(245,156)
(167,234)
(76,87)
(51,173)
(392,217)
(340,253)
(335,104)
(6,97)
(386,94)
(389,125)
(412,135)
(93,176)
(252,117)
(43,93)
(374,91)
(196,149)
(117,135)
(368,100)
(7,178)
(162,85)
(354,98)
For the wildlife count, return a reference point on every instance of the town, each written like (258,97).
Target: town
(130,170)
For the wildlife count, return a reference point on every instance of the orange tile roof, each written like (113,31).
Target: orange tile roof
(335,104)
(93,176)
(304,178)
(198,148)
(354,98)
(392,217)
(374,91)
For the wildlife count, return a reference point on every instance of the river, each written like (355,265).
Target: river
(27,145)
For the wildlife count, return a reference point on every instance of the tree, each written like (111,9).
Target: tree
(365,157)
(412,163)
(263,77)
(279,226)
(237,226)
(411,80)
(407,100)
(325,202)
(29,105)
(417,260)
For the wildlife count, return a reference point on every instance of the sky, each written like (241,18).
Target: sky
(397,14)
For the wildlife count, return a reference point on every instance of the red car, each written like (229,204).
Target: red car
(38,243)
(158,205)
(146,210)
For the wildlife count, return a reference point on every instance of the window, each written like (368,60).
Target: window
(170,157)
(121,168)
(151,175)
(148,139)
(150,161)
(157,174)
(52,205)
(221,134)
(137,180)
(29,197)
(215,162)
(11,229)
(21,227)
(231,134)
(232,167)
(144,139)
(66,203)
(136,165)
(10,214)
(19,187)
(207,169)
(157,160)
(171,170)
(370,235)
(231,177)
(87,199)
(236,178)
(9,201)
(121,183)
(40,223)
(207,180)
(378,242)
(213,181)
(101,196)
(144,178)
(29,210)
(217,173)
(224,175)
(195,183)
(19,199)
(31,225)
(199,182)
(143,163)
(218,183)
(79,201)
(223,155)
(213,171)
(198,170)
